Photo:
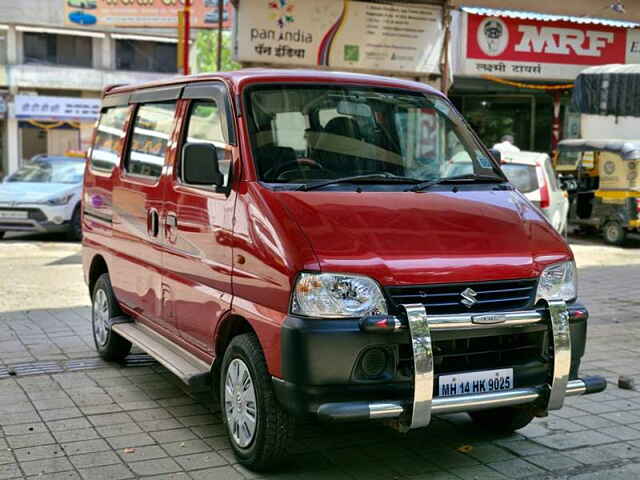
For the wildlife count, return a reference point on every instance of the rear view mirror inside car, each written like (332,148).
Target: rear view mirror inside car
(354,109)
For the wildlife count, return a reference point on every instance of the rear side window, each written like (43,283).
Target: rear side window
(110,134)
(205,126)
(150,137)
(523,177)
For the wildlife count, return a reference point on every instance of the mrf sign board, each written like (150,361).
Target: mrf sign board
(543,50)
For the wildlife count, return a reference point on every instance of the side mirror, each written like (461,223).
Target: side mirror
(496,154)
(200,165)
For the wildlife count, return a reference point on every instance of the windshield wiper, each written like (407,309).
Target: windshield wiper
(422,186)
(374,177)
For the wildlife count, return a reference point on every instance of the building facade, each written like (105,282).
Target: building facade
(52,76)
(513,70)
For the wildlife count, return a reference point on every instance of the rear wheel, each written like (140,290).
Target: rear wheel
(109,344)
(614,233)
(503,420)
(1,235)
(75,226)
(258,427)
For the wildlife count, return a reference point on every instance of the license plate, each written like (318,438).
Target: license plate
(475,382)
(13,214)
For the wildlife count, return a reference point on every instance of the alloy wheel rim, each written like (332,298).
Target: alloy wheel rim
(240,403)
(612,232)
(100,317)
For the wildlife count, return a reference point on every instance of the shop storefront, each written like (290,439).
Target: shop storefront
(513,71)
(52,125)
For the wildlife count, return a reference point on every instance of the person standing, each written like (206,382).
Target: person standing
(506,144)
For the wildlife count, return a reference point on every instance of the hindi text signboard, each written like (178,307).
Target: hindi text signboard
(343,34)
(36,107)
(535,49)
(143,13)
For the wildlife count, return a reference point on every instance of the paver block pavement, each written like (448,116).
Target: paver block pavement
(77,423)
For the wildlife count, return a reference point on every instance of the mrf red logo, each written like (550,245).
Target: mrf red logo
(545,42)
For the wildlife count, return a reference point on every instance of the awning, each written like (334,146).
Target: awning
(546,17)
(601,9)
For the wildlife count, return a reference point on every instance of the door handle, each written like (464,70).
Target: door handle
(153,222)
(171,220)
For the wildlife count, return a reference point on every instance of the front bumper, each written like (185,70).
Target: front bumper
(320,360)
(40,219)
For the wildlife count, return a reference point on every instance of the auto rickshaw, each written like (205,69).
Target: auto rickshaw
(602,179)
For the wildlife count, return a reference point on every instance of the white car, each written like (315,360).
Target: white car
(533,174)
(43,196)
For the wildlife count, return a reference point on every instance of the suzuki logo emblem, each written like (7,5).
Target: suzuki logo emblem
(468,297)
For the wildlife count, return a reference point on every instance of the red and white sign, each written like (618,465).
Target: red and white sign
(533,49)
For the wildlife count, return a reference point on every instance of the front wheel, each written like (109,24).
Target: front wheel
(258,427)
(503,420)
(75,226)
(614,233)
(109,344)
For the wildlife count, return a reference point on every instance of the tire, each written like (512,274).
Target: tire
(1,235)
(614,233)
(503,420)
(104,306)
(75,226)
(265,447)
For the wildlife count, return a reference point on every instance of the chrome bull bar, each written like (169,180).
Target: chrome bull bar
(417,413)
(420,328)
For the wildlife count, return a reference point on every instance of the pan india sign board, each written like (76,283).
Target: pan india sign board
(343,34)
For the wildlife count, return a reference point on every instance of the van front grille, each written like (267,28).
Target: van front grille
(483,353)
(470,354)
(446,298)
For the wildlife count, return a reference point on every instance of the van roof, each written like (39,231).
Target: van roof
(238,79)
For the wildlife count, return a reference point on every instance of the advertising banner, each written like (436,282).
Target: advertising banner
(143,13)
(340,34)
(534,49)
(35,107)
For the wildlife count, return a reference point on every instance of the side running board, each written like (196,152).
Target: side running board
(187,367)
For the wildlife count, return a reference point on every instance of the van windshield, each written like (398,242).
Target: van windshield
(304,133)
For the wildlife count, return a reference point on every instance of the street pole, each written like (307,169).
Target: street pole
(555,124)
(444,54)
(187,36)
(219,52)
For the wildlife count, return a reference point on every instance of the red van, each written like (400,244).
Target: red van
(292,238)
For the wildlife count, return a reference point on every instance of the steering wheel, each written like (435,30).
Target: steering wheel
(300,162)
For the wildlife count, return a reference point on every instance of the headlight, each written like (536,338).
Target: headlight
(558,282)
(63,200)
(331,295)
